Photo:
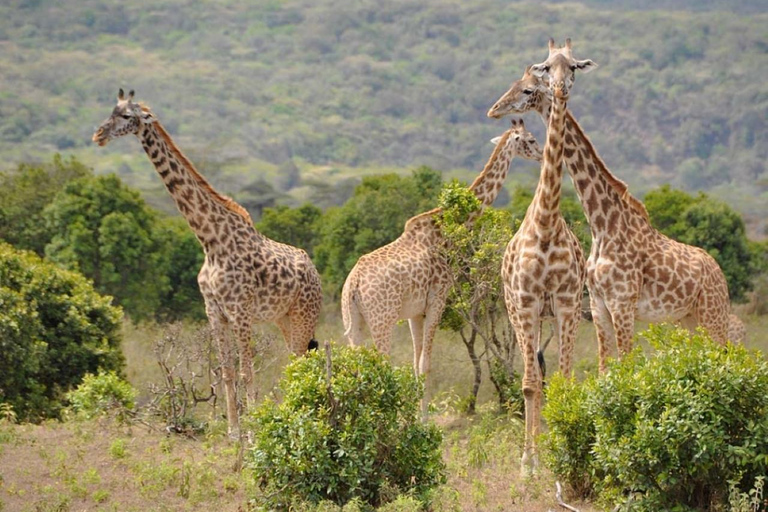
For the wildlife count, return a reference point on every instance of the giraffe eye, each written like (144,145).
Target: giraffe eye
(125,116)
(527,91)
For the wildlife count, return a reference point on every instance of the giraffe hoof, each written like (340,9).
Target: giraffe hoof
(313,344)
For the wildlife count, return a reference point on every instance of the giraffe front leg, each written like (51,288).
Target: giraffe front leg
(567,324)
(532,390)
(432,316)
(601,317)
(242,331)
(220,329)
(624,326)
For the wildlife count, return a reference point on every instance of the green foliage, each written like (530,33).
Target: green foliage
(54,328)
(474,251)
(389,84)
(712,225)
(104,230)
(675,427)
(293,226)
(373,217)
(182,257)
(101,394)
(24,193)
(363,438)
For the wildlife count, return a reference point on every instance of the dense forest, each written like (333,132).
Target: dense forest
(281,102)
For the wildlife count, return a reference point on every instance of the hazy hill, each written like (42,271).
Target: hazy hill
(345,87)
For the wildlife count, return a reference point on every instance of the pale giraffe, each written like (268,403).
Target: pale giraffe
(633,271)
(246,277)
(737,333)
(543,267)
(410,278)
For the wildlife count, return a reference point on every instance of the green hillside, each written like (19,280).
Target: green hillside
(343,88)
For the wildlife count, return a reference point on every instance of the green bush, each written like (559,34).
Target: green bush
(54,328)
(667,431)
(370,444)
(101,394)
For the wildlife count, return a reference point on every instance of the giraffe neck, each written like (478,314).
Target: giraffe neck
(606,200)
(604,197)
(206,211)
(488,183)
(545,207)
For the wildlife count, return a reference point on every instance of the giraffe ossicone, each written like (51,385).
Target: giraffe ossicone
(246,277)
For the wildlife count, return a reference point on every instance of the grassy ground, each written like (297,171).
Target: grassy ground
(99,465)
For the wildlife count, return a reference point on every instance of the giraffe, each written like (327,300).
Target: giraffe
(633,270)
(410,278)
(246,277)
(543,269)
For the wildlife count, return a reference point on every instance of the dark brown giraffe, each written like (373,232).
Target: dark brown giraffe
(246,277)
(633,271)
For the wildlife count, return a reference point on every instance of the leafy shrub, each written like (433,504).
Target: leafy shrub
(363,440)
(101,394)
(673,428)
(54,328)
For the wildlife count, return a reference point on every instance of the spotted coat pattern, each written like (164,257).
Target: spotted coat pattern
(246,277)
(410,278)
(634,272)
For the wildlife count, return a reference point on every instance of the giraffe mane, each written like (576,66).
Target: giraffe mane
(499,147)
(226,201)
(620,187)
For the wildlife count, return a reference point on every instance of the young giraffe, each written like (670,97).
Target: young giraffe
(633,271)
(543,267)
(246,276)
(409,278)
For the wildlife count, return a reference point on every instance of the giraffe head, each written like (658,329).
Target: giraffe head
(528,93)
(559,70)
(519,141)
(127,117)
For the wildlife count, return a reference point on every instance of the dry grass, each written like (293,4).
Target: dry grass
(97,465)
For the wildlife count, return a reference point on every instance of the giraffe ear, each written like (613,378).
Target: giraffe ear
(585,66)
(145,115)
(539,70)
(495,140)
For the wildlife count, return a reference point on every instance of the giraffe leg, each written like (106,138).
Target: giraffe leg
(431,321)
(567,324)
(220,329)
(532,389)
(353,321)
(242,332)
(624,325)
(601,317)
(381,326)
(417,333)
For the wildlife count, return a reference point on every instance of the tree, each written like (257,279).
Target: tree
(373,216)
(710,224)
(104,230)
(294,226)
(183,257)
(24,193)
(54,328)
(475,308)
